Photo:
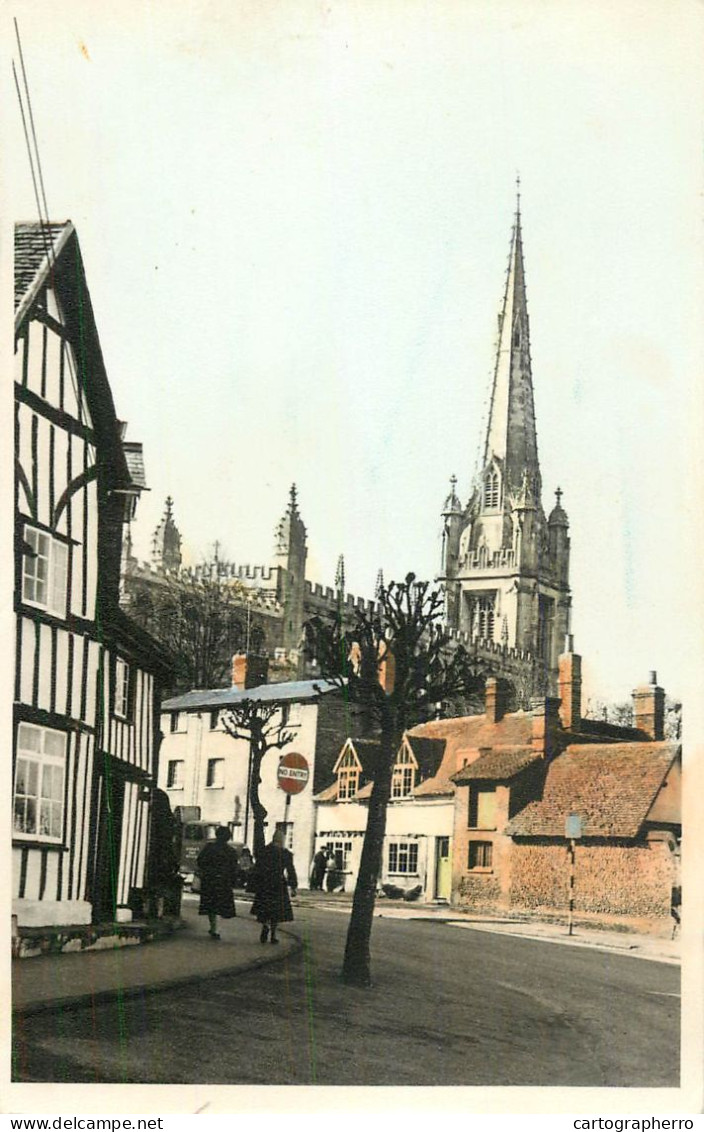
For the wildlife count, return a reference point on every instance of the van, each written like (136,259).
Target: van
(194,836)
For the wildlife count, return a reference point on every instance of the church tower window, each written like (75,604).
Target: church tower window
(491,490)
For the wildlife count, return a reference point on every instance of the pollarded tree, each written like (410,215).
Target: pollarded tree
(263,726)
(398,662)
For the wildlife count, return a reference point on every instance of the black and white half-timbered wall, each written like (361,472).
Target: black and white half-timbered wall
(87,680)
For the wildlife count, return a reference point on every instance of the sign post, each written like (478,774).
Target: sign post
(293,773)
(573,831)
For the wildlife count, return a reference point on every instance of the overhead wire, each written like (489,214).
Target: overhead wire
(40,198)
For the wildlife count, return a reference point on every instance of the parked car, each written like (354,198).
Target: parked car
(194,836)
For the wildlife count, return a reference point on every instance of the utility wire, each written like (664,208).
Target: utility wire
(40,198)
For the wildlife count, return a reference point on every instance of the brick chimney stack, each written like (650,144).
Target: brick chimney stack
(649,708)
(493,700)
(249,671)
(546,727)
(570,687)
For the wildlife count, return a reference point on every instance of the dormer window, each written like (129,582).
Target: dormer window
(491,490)
(347,776)
(403,778)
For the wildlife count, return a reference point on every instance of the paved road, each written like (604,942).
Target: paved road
(449,1006)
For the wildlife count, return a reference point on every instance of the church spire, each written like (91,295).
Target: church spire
(511,435)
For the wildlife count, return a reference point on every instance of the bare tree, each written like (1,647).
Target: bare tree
(263,726)
(200,622)
(398,663)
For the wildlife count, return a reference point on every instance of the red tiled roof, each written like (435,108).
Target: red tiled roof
(464,737)
(611,786)
(329,794)
(498,764)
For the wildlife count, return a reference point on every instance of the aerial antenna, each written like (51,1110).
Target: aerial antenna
(35,166)
(31,122)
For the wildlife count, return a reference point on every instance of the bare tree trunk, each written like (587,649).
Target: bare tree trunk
(356,968)
(258,811)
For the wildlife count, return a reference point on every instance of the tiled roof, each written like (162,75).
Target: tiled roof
(611,786)
(471,732)
(289,691)
(329,794)
(134,455)
(498,764)
(34,244)
(428,754)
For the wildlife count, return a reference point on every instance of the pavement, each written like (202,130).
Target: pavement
(50,982)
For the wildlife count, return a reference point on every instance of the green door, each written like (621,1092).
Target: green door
(443,869)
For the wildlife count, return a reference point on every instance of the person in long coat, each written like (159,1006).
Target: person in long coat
(318,871)
(272,875)
(217,866)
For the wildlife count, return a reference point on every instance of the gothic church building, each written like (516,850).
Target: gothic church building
(505,567)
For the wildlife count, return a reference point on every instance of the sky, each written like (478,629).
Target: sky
(295,221)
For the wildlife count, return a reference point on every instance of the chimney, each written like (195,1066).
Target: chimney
(649,708)
(493,700)
(249,671)
(570,687)
(546,725)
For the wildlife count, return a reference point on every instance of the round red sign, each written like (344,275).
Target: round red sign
(293,773)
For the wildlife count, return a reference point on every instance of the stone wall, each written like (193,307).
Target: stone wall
(611,879)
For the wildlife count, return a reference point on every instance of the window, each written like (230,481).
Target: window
(483,618)
(174,774)
(39,782)
(347,777)
(491,490)
(215,775)
(403,857)
(214,719)
(122,689)
(44,571)
(404,774)
(341,852)
(482,807)
(174,721)
(285,714)
(480,855)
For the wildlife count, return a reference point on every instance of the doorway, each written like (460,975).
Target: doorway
(443,869)
(108,845)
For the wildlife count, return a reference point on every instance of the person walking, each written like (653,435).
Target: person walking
(218,870)
(318,871)
(272,876)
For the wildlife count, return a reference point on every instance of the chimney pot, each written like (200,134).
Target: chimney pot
(653,677)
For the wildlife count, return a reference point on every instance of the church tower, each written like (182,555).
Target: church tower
(289,561)
(166,543)
(505,566)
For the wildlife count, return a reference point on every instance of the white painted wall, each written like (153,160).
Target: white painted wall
(195,743)
(406,820)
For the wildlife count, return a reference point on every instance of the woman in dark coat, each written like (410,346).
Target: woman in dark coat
(272,875)
(217,866)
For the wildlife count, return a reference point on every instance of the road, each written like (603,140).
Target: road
(449,1006)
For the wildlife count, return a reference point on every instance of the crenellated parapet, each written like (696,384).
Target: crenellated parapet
(484,559)
(319,599)
(494,649)
(258,577)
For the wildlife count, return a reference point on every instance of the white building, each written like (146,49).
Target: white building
(202,765)
(420,815)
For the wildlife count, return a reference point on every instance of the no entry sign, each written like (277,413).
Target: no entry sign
(293,773)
